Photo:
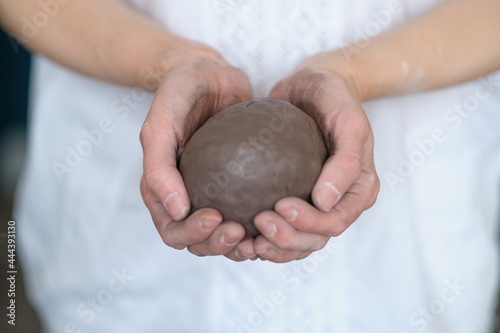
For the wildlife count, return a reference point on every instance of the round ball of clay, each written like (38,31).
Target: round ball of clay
(250,155)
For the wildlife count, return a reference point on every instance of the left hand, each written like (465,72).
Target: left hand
(196,84)
(348,183)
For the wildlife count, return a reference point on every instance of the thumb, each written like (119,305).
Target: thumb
(160,141)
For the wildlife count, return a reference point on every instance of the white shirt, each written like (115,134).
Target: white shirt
(423,259)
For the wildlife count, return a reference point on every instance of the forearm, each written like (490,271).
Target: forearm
(459,40)
(101,38)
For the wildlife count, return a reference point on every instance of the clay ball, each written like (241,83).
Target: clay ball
(250,155)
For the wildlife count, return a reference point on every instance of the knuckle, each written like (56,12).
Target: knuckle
(334,231)
(352,164)
(366,196)
(286,242)
(283,89)
(151,177)
(357,118)
(145,134)
(172,243)
(145,193)
(319,243)
(375,191)
(238,72)
(373,188)
(307,224)
(368,199)
(337,227)
(372,202)
(280,88)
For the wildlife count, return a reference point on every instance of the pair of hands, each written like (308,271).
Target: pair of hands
(200,84)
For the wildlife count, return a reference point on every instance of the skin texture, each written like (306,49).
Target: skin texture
(456,41)
(175,115)
(250,155)
(347,184)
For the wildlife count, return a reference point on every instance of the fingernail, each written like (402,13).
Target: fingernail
(328,197)
(290,214)
(238,254)
(226,242)
(175,208)
(209,223)
(247,255)
(268,229)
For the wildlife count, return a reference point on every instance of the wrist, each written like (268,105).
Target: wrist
(356,75)
(175,52)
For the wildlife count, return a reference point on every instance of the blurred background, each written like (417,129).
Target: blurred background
(14,87)
(14,97)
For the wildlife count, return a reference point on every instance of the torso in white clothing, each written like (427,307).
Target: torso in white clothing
(423,259)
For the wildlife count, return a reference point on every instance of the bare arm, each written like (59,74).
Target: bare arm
(102,38)
(456,41)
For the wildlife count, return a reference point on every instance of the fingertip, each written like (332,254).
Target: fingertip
(279,90)
(288,208)
(208,212)
(208,223)
(176,206)
(227,240)
(233,233)
(261,217)
(339,173)
(261,245)
(238,255)
(245,249)
(325,196)
(264,222)
(286,202)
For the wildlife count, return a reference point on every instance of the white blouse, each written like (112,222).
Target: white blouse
(423,259)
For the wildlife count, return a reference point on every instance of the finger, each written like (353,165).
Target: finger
(266,251)
(284,236)
(222,241)
(307,218)
(343,168)
(195,229)
(158,213)
(159,141)
(280,89)
(243,251)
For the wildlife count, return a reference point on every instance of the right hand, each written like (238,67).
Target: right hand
(196,83)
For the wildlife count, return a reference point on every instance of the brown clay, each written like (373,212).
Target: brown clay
(250,155)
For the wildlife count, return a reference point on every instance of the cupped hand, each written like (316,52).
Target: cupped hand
(196,82)
(348,183)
